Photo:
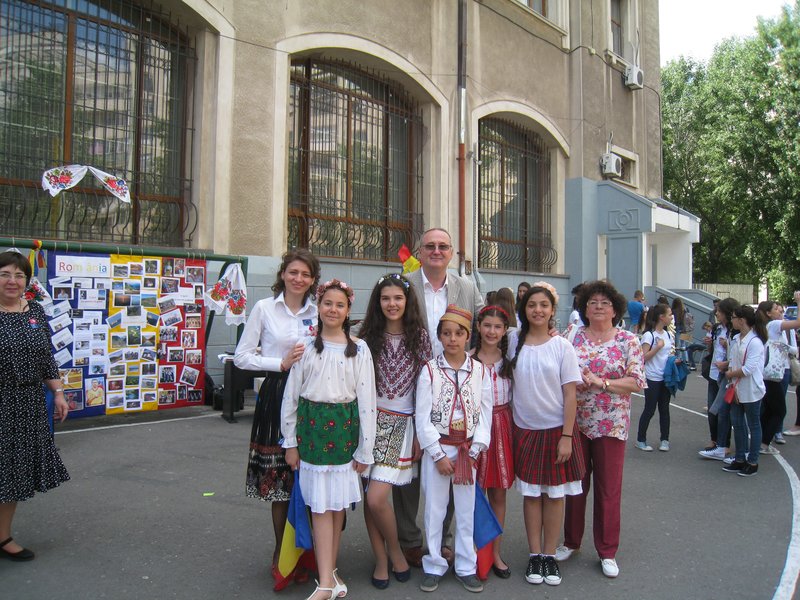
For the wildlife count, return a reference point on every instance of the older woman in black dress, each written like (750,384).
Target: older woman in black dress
(29,460)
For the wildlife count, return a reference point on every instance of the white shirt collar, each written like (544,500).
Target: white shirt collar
(426,282)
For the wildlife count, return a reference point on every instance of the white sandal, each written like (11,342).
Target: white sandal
(322,589)
(340,589)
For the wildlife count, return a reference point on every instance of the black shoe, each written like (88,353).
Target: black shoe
(734,467)
(381,584)
(21,556)
(501,573)
(550,570)
(748,470)
(402,576)
(534,573)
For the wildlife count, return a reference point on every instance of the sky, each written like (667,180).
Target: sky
(711,21)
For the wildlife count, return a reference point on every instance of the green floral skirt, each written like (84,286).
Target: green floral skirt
(327,434)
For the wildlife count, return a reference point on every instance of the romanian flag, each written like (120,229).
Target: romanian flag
(297,545)
(410,262)
(485,529)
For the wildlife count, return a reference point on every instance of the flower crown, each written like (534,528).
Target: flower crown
(548,287)
(395,277)
(335,284)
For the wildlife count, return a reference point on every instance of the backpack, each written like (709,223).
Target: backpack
(688,322)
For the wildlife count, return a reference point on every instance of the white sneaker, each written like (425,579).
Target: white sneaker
(779,438)
(563,553)
(644,447)
(664,446)
(770,450)
(715,454)
(610,568)
(729,460)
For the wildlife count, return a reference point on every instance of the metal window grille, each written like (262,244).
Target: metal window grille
(354,162)
(514,199)
(106,84)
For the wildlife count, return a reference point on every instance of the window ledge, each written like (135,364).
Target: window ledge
(616,61)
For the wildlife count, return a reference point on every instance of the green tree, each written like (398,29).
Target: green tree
(730,135)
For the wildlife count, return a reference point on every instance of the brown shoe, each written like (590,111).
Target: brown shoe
(448,554)
(413,556)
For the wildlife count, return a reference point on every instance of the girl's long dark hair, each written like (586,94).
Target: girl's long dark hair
(756,324)
(653,315)
(524,326)
(373,327)
(495,311)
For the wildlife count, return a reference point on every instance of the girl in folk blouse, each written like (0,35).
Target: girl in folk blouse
(547,451)
(328,423)
(395,334)
(496,465)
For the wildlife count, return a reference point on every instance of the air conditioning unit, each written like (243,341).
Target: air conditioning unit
(611,165)
(634,77)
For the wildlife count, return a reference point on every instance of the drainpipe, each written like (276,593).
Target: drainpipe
(462,132)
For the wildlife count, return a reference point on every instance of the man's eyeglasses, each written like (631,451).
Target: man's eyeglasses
(439,247)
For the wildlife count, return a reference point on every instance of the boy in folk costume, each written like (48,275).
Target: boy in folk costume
(453,420)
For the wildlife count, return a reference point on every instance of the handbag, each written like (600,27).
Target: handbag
(794,365)
(775,361)
(730,392)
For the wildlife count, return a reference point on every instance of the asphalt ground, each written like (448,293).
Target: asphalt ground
(156,509)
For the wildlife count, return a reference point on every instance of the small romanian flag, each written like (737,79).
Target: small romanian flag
(486,528)
(410,262)
(297,545)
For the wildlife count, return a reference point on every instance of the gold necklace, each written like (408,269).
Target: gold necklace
(12,310)
(599,336)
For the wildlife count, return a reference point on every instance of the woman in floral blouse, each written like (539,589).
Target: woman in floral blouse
(612,367)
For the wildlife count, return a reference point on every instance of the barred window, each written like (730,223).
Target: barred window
(105,84)
(354,162)
(514,199)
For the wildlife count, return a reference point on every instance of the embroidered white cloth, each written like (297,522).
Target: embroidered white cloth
(229,295)
(62,178)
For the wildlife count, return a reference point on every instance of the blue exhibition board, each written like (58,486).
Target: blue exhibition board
(79,284)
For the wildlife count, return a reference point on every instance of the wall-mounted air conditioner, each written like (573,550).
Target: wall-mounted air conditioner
(611,165)
(634,77)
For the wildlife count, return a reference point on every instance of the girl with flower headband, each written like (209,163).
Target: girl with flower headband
(273,341)
(496,465)
(547,458)
(395,332)
(328,422)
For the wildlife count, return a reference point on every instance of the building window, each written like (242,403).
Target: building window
(104,84)
(539,6)
(616,28)
(355,172)
(514,199)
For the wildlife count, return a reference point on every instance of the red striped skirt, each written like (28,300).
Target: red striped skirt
(535,453)
(496,465)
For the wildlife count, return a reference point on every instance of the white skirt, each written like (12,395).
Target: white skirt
(329,487)
(393,450)
(571,488)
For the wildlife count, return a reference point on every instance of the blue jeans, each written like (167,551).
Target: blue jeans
(747,417)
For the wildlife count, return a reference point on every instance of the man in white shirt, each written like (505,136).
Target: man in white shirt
(434,289)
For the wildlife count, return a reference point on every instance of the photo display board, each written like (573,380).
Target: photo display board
(128,331)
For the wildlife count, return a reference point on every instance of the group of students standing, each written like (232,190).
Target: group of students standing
(372,414)
(748,380)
